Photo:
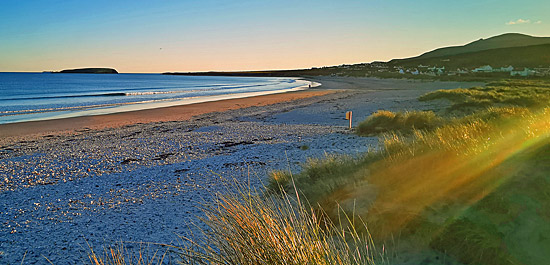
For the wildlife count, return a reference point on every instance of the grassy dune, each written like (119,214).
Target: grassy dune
(473,183)
(530,94)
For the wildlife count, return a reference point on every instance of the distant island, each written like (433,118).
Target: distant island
(88,71)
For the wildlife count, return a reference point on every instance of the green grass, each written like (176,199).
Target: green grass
(531,94)
(473,244)
(509,225)
(466,135)
(322,176)
(386,121)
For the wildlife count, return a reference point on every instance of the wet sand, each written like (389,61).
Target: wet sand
(176,113)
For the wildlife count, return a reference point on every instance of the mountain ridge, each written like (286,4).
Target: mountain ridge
(506,40)
(523,56)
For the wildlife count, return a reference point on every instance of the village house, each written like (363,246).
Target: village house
(542,71)
(526,72)
(483,69)
(506,69)
(437,70)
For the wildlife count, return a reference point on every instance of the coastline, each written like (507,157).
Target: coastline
(116,96)
(160,114)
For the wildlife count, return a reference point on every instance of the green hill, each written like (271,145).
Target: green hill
(524,56)
(507,40)
(517,50)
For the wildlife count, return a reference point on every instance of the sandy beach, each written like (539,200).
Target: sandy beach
(138,176)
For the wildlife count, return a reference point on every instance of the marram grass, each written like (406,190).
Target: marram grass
(121,255)
(245,227)
(386,121)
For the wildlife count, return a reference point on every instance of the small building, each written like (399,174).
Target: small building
(526,72)
(507,69)
(483,69)
(437,70)
(429,73)
(542,71)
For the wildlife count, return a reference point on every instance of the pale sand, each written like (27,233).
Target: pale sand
(175,113)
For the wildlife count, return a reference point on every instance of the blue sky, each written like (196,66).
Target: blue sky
(158,36)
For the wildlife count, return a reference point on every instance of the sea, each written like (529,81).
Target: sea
(45,96)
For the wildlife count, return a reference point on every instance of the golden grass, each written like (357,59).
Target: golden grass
(247,228)
(120,255)
(386,121)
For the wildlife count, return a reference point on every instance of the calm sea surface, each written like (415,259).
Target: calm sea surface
(42,96)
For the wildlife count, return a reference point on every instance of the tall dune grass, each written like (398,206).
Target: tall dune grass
(385,121)
(121,255)
(245,227)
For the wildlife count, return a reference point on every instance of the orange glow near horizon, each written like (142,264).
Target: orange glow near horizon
(207,35)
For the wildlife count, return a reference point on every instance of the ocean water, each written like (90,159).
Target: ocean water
(43,96)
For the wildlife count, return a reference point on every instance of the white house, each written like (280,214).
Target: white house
(507,69)
(526,72)
(542,71)
(437,70)
(483,69)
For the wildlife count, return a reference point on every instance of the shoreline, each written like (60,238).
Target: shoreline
(112,108)
(143,116)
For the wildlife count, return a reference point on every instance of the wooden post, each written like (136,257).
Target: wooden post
(349,117)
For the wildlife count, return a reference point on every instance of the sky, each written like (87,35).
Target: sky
(143,36)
